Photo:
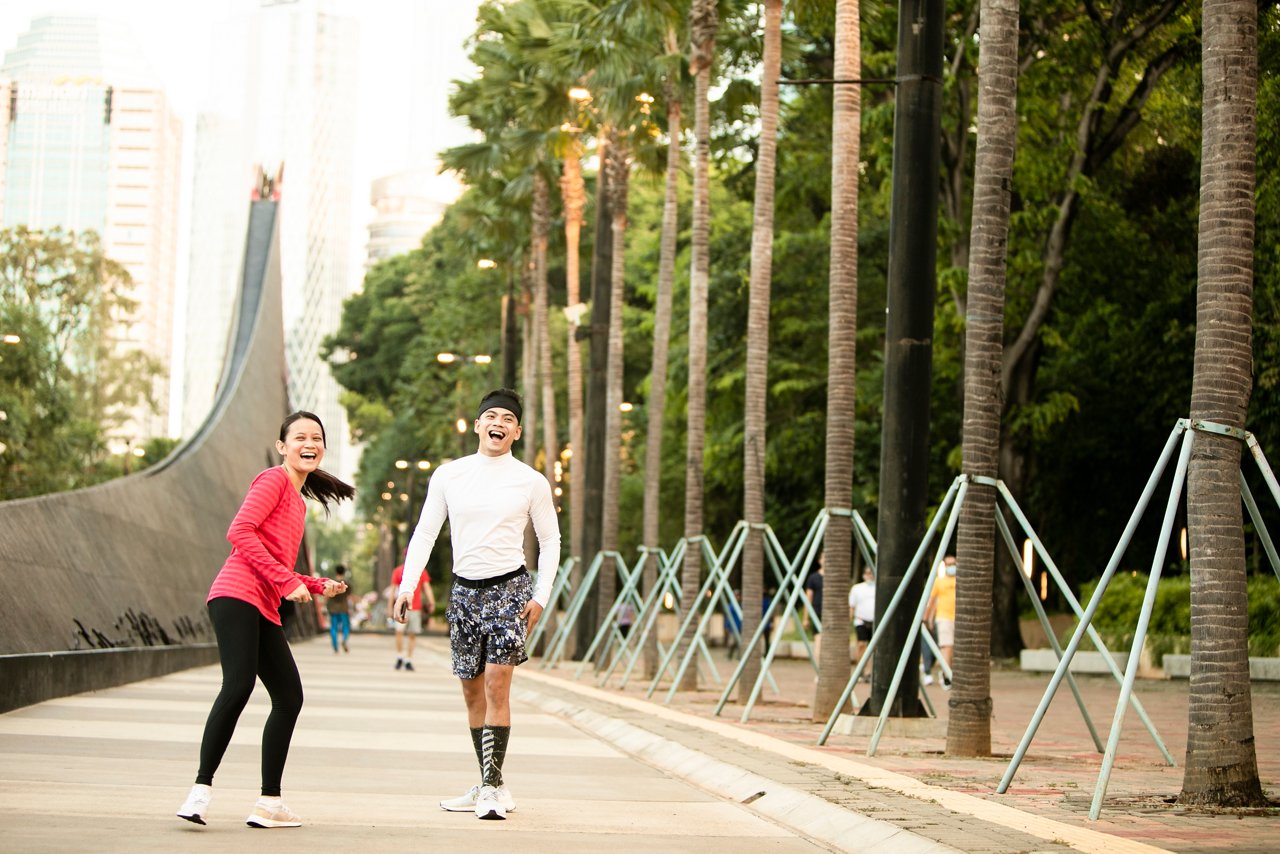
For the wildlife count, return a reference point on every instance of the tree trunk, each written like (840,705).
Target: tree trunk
(542,323)
(969,725)
(657,404)
(842,299)
(574,199)
(619,167)
(702,26)
(1221,763)
(754,443)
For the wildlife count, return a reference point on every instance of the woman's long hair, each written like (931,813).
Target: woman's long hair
(319,485)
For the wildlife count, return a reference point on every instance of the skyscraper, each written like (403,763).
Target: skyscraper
(90,143)
(289,77)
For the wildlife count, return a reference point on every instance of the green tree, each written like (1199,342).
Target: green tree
(65,384)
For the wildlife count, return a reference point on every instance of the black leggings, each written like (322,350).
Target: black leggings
(251,646)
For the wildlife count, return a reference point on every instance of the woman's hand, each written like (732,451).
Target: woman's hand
(333,588)
(299,593)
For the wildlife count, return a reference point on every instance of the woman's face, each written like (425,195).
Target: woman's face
(303,446)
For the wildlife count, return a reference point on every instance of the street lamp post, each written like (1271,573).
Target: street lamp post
(407,496)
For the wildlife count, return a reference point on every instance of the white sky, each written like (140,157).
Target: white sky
(174,36)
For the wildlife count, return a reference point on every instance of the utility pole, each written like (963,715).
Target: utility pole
(904,450)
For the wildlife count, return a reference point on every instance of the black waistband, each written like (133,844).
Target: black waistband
(481,583)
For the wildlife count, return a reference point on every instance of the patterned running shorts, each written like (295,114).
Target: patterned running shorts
(485,625)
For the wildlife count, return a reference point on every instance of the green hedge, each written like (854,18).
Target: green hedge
(1170,627)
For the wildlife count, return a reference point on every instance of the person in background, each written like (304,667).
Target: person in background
(813,592)
(244,604)
(340,612)
(413,618)
(941,610)
(862,608)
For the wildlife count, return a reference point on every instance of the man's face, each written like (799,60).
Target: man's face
(498,430)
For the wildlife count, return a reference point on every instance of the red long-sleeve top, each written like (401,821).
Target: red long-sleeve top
(264,538)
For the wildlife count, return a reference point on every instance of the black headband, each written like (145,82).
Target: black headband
(503,400)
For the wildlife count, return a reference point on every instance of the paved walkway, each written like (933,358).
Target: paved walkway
(374,751)
(598,769)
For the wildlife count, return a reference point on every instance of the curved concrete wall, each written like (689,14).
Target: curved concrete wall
(125,566)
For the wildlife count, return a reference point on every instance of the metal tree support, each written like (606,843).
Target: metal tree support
(882,620)
(796,570)
(558,591)
(608,628)
(561,637)
(718,575)
(908,649)
(790,587)
(668,580)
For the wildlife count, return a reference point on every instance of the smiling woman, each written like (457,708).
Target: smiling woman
(244,607)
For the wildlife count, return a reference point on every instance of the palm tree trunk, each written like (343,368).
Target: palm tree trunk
(574,195)
(1221,763)
(542,323)
(969,726)
(702,26)
(529,383)
(754,444)
(657,404)
(619,165)
(842,307)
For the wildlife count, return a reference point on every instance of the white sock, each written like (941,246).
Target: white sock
(269,800)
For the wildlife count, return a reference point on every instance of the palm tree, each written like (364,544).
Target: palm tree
(754,445)
(1221,763)
(619,166)
(573,195)
(969,726)
(702,33)
(833,664)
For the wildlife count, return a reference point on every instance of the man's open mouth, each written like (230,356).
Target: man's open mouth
(497,435)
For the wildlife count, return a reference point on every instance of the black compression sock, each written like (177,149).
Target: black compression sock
(494,750)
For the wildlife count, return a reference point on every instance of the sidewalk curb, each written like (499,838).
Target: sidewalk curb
(800,811)
(701,769)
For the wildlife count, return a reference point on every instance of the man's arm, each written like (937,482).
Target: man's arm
(434,511)
(542,511)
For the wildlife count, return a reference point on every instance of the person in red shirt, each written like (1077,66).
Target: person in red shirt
(244,603)
(415,618)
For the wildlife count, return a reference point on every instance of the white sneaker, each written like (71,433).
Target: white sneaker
(272,813)
(487,804)
(196,805)
(504,798)
(927,679)
(466,802)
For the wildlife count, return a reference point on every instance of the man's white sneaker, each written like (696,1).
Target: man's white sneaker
(272,813)
(196,805)
(466,802)
(926,679)
(487,804)
(504,798)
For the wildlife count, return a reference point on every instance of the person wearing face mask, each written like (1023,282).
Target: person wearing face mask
(942,611)
(489,498)
(244,603)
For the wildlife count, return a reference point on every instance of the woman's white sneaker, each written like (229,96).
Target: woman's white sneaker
(466,802)
(196,806)
(272,813)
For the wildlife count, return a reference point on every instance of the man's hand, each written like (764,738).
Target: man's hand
(400,611)
(531,614)
(333,588)
(299,593)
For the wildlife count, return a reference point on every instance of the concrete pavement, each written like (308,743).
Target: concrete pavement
(374,751)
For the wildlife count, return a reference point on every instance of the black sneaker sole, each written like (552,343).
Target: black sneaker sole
(492,815)
(194,819)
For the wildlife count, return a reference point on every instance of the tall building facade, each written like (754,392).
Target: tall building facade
(406,206)
(290,74)
(90,143)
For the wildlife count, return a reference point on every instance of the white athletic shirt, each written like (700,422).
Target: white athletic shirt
(862,599)
(489,501)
